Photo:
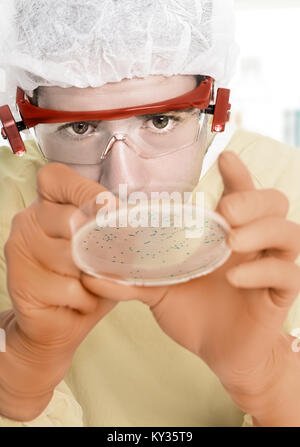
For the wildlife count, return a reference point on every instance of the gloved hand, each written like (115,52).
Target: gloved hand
(52,311)
(232,318)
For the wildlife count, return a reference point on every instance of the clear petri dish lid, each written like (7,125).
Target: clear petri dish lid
(148,245)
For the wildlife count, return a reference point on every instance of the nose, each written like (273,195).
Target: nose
(123,166)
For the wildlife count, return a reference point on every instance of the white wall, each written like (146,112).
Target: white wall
(265,91)
(265,4)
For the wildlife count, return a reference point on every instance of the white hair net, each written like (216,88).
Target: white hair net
(87,43)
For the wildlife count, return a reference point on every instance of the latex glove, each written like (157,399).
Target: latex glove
(232,318)
(52,311)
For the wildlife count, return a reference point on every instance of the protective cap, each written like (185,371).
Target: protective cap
(88,43)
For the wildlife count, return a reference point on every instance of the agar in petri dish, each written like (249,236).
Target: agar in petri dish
(160,254)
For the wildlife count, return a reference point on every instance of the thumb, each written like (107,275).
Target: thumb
(122,292)
(235,174)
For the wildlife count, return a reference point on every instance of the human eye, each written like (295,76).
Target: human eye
(160,123)
(78,129)
(165,122)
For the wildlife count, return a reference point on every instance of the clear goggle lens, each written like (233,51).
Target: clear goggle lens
(149,136)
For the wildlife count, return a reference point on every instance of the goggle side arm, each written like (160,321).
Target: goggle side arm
(11,130)
(220,110)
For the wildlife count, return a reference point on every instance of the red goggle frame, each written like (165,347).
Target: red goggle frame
(31,115)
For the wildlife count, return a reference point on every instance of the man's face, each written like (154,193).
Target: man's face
(179,171)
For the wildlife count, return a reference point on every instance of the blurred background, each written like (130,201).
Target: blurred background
(265,93)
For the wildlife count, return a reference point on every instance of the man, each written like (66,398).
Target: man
(229,356)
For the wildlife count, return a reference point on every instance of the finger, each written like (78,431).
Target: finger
(243,207)
(236,177)
(281,276)
(58,220)
(62,186)
(235,174)
(38,287)
(267,233)
(59,183)
(54,255)
(122,292)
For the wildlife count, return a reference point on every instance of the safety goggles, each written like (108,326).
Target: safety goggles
(142,142)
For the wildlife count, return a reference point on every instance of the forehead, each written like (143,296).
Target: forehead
(126,93)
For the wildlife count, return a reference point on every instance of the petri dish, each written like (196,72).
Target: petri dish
(168,246)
